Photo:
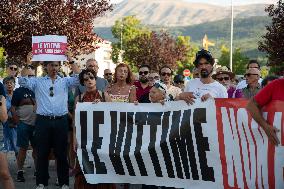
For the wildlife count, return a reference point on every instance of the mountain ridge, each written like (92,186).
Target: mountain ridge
(175,13)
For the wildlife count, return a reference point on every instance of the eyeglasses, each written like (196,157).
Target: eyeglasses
(164,74)
(51,93)
(107,74)
(31,75)
(145,73)
(13,68)
(249,74)
(223,78)
(87,78)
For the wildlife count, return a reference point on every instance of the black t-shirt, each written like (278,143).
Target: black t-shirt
(20,94)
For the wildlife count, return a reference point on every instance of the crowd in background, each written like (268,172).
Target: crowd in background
(38,112)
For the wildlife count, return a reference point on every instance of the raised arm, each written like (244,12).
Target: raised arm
(3,110)
(26,82)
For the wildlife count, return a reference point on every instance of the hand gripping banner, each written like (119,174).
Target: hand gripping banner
(215,144)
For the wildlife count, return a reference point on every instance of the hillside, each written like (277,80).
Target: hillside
(175,12)
(247,33)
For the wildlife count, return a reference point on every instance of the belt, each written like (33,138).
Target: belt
(51,117)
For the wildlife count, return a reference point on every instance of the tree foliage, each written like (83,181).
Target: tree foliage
(21,19)
(125,30)
(191,51)
(154,49)
(239,60)
(273,40)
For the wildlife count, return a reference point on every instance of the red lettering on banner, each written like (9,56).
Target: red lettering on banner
(56,48)
(252,162)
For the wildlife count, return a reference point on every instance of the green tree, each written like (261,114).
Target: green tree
(191,50)
(155,50)
(239,60)
(2,62)
(125,30)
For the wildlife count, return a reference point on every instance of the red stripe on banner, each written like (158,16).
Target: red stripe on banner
(271,155)
(241,151)
(255,150)
(218,104)
(248,147)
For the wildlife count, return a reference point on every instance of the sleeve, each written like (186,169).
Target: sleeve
(29,83)
(72,81)
(223,92)
(187,88)
(16,98)
(264,96)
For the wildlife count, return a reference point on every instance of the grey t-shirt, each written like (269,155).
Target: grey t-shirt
(26,114)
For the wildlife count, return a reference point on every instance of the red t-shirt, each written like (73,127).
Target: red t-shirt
(142,94)
(273,91)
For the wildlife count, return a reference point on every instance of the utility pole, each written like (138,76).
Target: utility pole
(232,35)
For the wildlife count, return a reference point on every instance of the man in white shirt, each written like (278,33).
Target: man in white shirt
(251,64)
(204,87)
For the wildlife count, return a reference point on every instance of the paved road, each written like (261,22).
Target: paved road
(29,172)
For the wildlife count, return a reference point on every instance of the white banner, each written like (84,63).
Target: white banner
(175,145)
(49,48)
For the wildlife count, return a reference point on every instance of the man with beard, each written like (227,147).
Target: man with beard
(142,86)
(204,87)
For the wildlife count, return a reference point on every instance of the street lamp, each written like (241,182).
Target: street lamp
(121,28)
(232,35)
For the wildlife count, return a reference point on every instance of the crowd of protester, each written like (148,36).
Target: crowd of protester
(37,113)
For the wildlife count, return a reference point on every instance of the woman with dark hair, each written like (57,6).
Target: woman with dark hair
(122,88)
(87,78)
(5,177)
(268,80)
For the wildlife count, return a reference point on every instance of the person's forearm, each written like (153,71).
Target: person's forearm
(256,113)
(75,68)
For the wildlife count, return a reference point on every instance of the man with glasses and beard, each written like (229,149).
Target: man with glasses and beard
(51,125)
(204,87)
(142,86)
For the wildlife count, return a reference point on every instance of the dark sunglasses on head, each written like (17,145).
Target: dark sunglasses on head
(249,74)
(107,74)
(223,78)
(145,73)
(90,77)
(164,74)
(51,93)
(13,68)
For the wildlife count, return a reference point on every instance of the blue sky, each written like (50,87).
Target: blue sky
(222,2)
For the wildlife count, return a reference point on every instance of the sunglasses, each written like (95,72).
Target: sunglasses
(107,74)
(51,93)
(164,74)
(145,73)
(90,77)
(223,78)
(249,74)
(13,68)
(31,75)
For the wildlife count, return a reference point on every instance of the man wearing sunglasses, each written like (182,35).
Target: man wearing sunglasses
(251,64)
(108,75)
(166,78)
(253,87)
(142,86)
(12,70)
(204,87)
(51,125)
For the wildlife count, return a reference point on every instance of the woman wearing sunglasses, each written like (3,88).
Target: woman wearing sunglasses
(225,77)
(122,88)
(87,78)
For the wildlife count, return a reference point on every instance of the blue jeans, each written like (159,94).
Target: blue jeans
(10,138)
(25,135)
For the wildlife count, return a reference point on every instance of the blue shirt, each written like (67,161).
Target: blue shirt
(47,105)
